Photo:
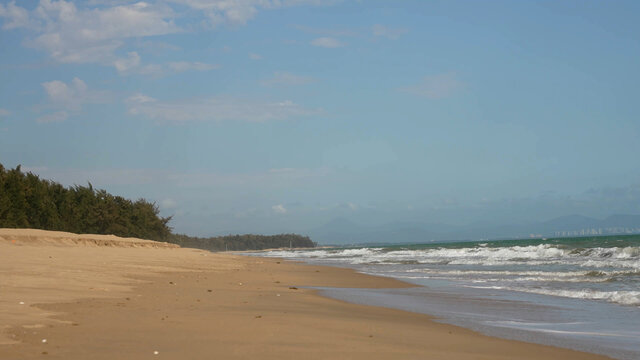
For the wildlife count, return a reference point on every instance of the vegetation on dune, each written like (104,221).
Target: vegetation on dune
(26,201)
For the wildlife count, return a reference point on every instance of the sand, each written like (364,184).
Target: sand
(67,296)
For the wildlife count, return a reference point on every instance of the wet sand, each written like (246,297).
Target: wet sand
(66,296)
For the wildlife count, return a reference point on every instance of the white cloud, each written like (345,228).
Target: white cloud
(327,42)
(436,87)
(16,16)
(240,11)
(286,78)
(54,117)
(4,112)
(133,65)
(168,204)
(279,209)
(126,64)
(73,95)
(94,31)
(72,35)
(69,98)
(140,99)
(389,33)
(214,109)
(253,56)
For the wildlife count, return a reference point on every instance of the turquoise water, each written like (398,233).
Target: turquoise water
(582,293)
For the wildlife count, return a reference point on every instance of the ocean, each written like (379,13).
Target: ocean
(580,293)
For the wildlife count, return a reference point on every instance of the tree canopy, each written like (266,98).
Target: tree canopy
(26,201)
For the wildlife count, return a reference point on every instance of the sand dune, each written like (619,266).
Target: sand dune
(43,237)
(103,297)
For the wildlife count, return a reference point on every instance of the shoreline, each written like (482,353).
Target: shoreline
(184,303)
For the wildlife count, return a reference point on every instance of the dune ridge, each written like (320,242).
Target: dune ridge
(45,237)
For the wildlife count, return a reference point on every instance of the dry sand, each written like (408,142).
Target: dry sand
(67,296)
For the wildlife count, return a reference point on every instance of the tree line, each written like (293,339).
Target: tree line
(26,201)
(242,242)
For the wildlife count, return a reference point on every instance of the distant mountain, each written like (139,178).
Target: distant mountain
(344,231)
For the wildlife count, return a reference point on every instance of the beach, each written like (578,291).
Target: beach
(67,296)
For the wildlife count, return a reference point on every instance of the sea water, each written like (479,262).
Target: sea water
(581,293)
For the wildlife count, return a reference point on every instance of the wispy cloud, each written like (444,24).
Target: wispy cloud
(387,32)
(72,35)
(279,209)
(16,16)
(283,78)
(254,56)
(168,204)
(72,95)
(132,64)
(69,98)
(95,31)
(240,12)
(327,42)
(215,109)
(436,86)
(4,112)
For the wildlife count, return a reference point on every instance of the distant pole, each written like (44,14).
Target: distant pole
(226,248)
(289,243)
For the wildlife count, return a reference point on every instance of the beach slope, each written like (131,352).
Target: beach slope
(68,296)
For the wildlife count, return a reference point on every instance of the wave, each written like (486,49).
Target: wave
(601,273)
(523,276)
(535,255)
(619,297)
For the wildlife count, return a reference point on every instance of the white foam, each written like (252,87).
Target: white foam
(517,268)
(620,297)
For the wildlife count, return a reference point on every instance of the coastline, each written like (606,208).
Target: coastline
(101,301)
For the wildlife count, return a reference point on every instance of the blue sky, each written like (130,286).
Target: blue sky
(279,115)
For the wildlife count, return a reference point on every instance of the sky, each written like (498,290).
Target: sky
(266,116)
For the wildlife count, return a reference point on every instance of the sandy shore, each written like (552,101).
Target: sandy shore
(67,296)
